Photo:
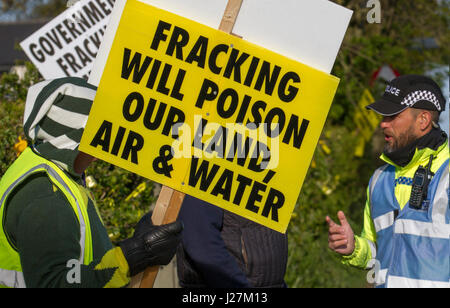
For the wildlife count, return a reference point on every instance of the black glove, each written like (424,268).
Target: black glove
(151,245)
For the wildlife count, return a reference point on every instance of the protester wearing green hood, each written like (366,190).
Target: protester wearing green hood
(52,234)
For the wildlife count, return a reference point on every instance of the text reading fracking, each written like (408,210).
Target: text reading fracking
(208,114)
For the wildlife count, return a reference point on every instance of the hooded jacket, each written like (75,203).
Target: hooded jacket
(38,219)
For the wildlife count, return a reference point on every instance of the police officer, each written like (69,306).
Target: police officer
(406,232)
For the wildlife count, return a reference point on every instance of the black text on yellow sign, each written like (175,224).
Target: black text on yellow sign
(208,114)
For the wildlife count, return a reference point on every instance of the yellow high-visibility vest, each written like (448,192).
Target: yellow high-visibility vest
(29,163)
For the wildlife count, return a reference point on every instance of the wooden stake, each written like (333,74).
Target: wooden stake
(169,201)
(166,211)
(230,15)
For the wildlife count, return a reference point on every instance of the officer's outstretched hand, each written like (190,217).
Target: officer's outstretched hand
(341,238)
(151,245)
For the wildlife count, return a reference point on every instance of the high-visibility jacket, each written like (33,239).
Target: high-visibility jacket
(27,164)
(413,246)
(408,247)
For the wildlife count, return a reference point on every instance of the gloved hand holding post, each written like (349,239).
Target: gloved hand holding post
(151,245)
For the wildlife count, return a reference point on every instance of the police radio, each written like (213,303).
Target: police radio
(419,190)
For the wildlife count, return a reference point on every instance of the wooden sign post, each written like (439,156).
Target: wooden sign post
(169,201)
(166,211)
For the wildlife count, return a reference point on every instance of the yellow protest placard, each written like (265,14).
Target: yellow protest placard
(373,118)
(366,121)
(208,114)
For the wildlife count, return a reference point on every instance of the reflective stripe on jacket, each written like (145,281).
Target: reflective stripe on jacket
(27,164)
(412,245)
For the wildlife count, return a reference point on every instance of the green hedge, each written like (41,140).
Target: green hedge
(336,182)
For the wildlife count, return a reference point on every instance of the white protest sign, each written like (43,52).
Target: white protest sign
(309,31)
(68,44)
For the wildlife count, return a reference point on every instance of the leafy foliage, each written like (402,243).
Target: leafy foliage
(23,9)
(13,93)
(122,198)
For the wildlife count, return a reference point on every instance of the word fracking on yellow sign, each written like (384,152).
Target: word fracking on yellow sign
(208,114)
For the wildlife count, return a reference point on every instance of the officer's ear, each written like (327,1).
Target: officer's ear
(424,118)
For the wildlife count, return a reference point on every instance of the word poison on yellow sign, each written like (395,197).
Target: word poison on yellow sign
(208,114)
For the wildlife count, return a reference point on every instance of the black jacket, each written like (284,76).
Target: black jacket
(221,249)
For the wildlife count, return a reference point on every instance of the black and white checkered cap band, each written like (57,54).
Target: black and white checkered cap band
(417,96)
